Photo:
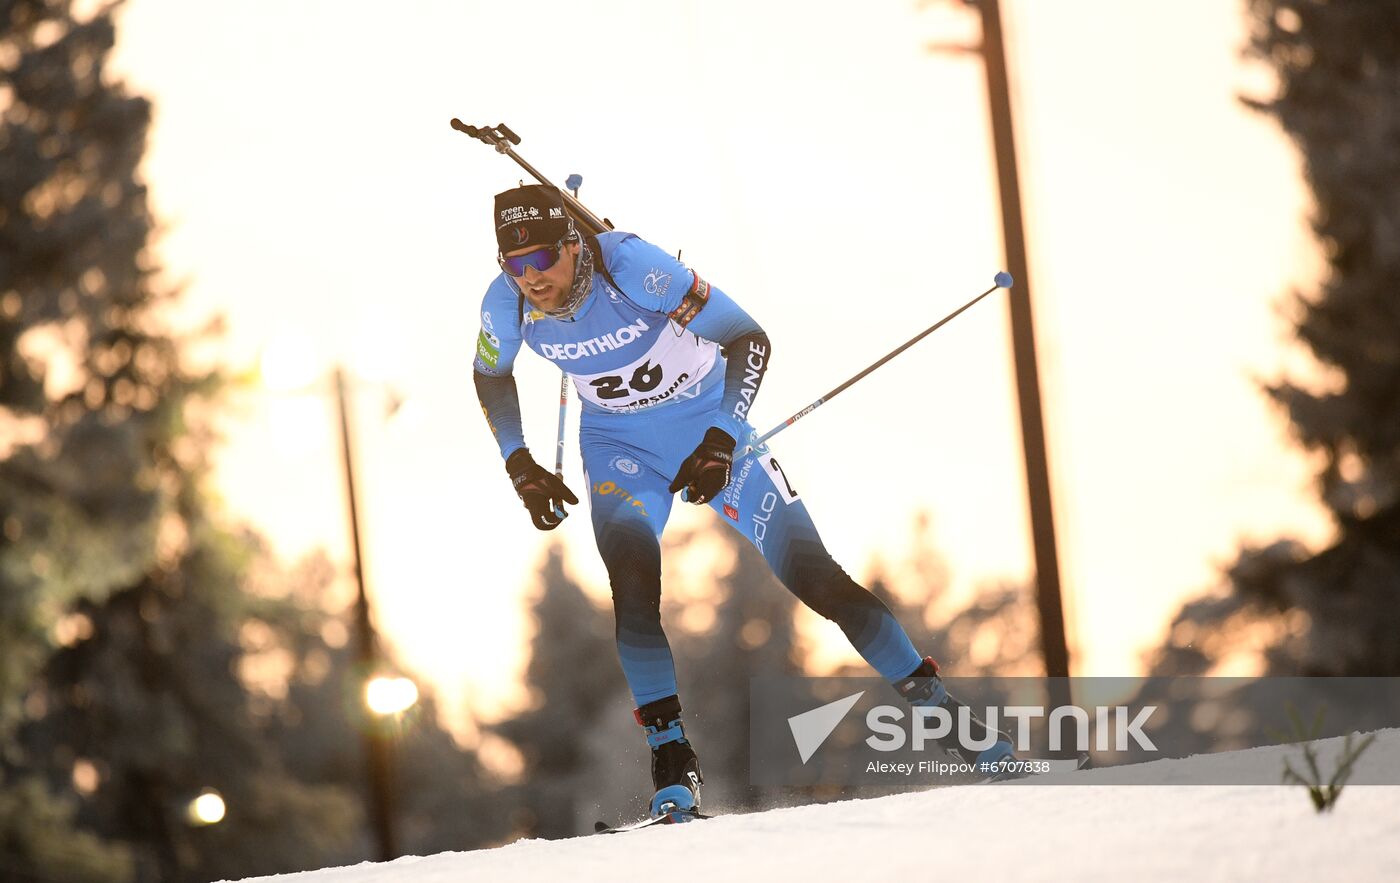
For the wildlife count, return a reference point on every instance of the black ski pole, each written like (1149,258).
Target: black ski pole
(1002,280)
(503,139)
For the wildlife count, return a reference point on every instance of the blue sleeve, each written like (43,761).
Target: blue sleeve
(654,280)
(499,338)
(496,347)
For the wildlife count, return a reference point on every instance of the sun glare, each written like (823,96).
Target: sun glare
(287,363)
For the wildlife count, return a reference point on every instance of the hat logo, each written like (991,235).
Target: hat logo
(521,235)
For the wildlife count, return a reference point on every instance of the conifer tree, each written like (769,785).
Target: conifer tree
(1335,612)
(91,394)
(140,663)
(572,676)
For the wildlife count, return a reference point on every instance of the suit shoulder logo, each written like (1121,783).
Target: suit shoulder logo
(657,282)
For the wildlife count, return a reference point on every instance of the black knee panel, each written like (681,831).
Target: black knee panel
(820,583)
(633,559)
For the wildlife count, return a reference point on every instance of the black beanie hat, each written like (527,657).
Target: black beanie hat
(529,216)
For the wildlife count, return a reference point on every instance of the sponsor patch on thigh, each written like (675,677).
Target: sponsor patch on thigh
(613,489)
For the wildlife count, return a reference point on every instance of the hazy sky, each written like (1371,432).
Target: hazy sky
(819,164)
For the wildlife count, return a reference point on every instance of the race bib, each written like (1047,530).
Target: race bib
(666,371)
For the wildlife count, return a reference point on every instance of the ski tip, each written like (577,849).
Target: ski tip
(600,827)
(1003,280)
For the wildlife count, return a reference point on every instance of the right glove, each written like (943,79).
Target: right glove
(543,493)
(706,471)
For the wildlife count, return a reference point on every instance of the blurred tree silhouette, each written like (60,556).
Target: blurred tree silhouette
(994,635)
(1336,612)
(169,694)
(140,659)
(91,396)
(572,674)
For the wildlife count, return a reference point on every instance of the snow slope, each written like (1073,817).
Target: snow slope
(1012,831)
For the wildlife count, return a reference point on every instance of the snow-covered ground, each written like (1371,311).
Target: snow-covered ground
(1011,831)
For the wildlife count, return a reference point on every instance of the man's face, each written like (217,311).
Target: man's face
(548,289)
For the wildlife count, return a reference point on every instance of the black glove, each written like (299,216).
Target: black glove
(706,471)
(542,492)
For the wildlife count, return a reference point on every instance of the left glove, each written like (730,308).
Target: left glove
(543,493)
(706,471)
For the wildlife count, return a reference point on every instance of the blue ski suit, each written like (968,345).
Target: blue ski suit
(656,360)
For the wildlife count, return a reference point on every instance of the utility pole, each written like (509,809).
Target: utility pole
(1054,647)
(380,794)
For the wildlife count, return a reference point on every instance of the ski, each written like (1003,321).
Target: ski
(674,817)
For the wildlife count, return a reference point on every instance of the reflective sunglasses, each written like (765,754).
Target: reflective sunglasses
(541,259)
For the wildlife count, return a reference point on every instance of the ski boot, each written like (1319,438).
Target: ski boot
(924,687)
(675,770)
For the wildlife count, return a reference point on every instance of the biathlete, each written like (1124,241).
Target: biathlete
(667,367)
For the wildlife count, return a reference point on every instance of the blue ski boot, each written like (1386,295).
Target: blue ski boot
(675,770)
(924,687)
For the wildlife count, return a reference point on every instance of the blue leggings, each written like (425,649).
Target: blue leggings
(627,480)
